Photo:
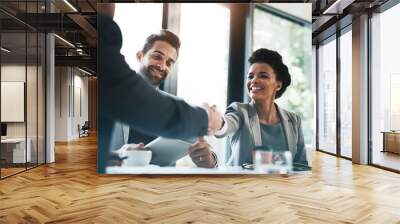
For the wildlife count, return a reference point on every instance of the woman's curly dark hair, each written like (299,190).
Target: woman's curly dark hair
(273,59)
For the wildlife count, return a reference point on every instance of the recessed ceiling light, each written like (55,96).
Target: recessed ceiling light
(84,71)
(71,6)
(337,7)
(5,50)
(65,41)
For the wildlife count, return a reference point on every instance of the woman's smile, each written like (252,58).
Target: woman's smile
(255,89)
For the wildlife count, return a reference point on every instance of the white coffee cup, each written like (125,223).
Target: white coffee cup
(137,157)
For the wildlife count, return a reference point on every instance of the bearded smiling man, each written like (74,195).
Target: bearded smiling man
(158,56)
(156,59)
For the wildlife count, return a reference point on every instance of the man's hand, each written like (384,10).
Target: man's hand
(106,8)
(214,119)
(201,154)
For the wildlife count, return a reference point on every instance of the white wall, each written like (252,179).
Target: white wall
(33,127)
(61,103)
(81,104)
(16,73)
(70,94)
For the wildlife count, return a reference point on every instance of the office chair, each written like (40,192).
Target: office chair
(84,130)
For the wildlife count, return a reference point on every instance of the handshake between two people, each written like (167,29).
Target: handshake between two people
(215,120)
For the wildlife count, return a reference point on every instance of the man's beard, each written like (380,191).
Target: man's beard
(148,73)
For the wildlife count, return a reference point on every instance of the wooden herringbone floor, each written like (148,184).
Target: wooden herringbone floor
(70,191)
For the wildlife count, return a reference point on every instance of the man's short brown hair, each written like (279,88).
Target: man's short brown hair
(163,35)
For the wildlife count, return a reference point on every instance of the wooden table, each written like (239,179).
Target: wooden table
(391,141)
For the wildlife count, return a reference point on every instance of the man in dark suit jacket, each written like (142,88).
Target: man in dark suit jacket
(156,58)
(117,82)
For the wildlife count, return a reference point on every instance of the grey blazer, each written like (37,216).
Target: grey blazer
(243,130)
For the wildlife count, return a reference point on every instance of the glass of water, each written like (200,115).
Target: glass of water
(268,161)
